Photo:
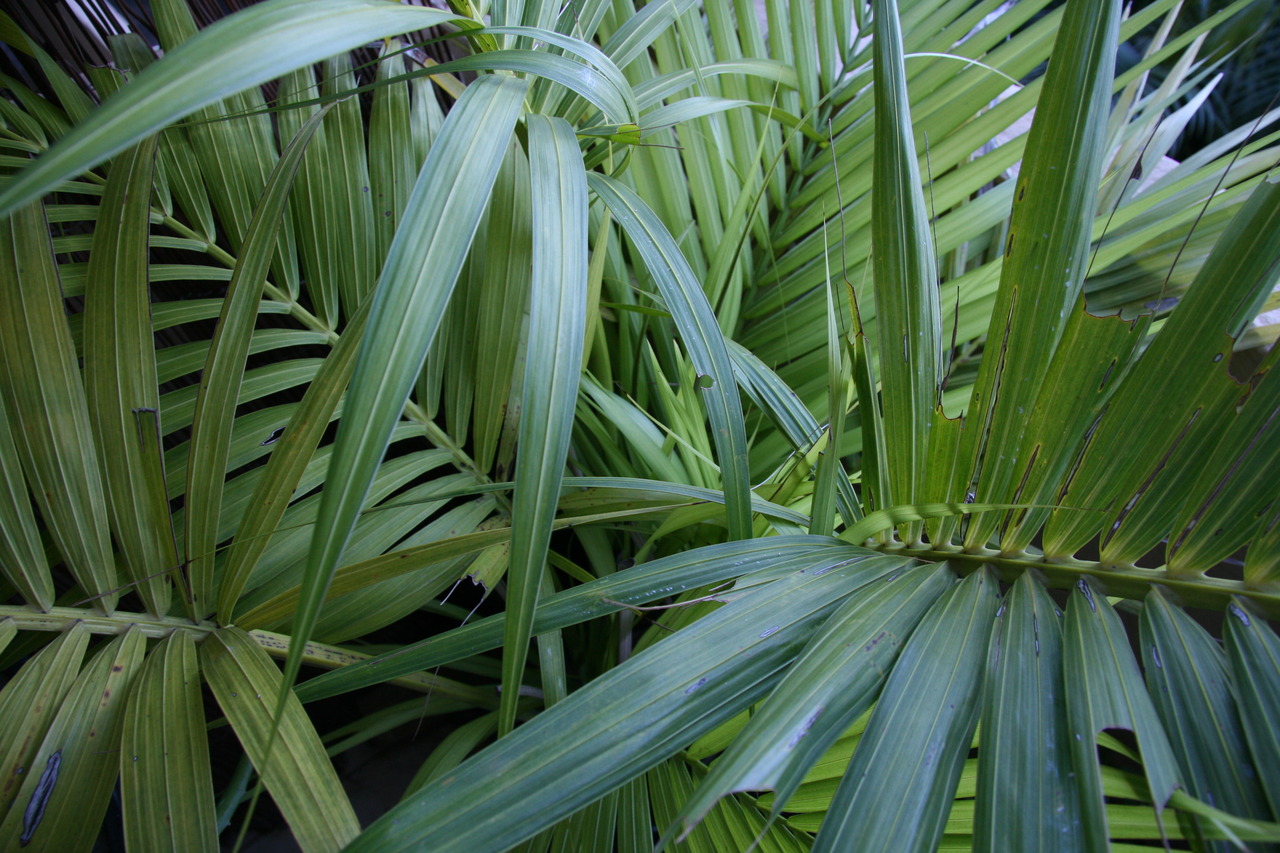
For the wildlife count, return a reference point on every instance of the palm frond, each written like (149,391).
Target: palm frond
(742,427)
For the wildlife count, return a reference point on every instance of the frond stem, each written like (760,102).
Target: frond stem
(1132,582)
(322,655)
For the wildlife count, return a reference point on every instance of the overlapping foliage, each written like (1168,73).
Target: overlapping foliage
(810,456)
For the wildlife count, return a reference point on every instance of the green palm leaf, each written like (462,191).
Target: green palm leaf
(285,749)
(557,324)
(45,402)
(241,51)
(120,379)
(164,760)
(674,284)
(712,670)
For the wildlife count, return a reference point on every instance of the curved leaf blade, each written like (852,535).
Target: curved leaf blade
(121,388)
(1046,253)
(166,790)
(557,325)
(1104,690)
(45,401)
(640,585)
(416,284)
(908,325)
(223,373)
(22,557)
(836,678)
(65,795)
(1254,652)
(701,335)
(258,44)
(1189,682)
(899,787)
(294,767)
(288,462)
(624,722)
(28,704)
(1024,799)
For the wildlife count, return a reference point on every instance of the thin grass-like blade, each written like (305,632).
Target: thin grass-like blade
(830,470)
(183,359)
(700,334)
(590,829)
(378,605)
(358,575)
(72,98)
(654,91)
(253,46)
(347,177)
(635,431)
(624,722)
(233,148)
(729,825)
(635,822)
(277,577)
(45,402)
(392,161)
(899,788)
(501,294)
(602,492)
(166,790)
(944,475)
(687,109)
(640,30)
(796,423)
(557,324)
(447,380)
(774,398)
(312,199)
(259,382)
(299,776)
(875,481)
(38,113)
(182,171)
(65,792)
(121,388)
(616,99)
(453,748)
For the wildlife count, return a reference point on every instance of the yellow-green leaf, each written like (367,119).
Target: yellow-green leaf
(296,772)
